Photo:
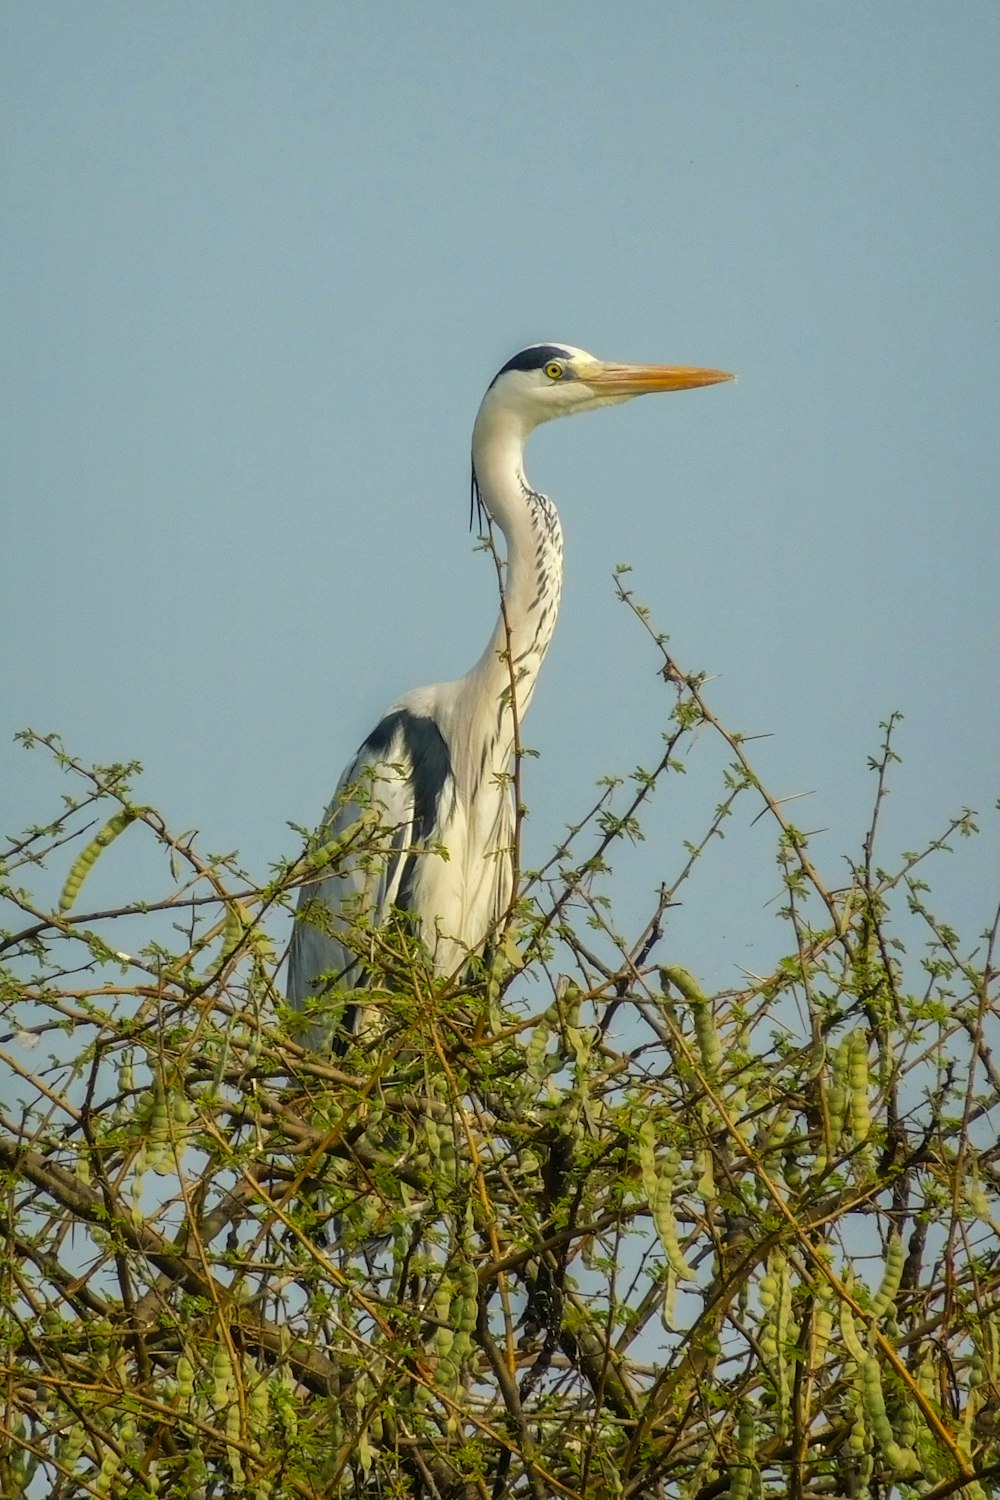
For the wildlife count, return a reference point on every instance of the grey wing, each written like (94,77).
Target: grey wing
(399,773)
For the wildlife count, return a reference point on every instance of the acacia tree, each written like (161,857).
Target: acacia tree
(568,1226)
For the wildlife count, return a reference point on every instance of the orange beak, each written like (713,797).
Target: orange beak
(637,380)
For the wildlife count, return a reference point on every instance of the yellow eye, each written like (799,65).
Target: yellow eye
(554,370)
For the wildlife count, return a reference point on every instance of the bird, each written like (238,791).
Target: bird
(430,787)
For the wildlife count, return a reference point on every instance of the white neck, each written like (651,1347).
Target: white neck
(532,576)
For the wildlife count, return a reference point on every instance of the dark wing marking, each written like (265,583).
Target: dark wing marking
(417,743)
(402,770)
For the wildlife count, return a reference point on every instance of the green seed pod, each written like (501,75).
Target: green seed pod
(776,1328)
(110,1464)
(140,1167)
(873,1398)
(744,1471)
(902,1460)
(666,1227)
(741,1478)
(768,1340)
(836,1099)
(535,1058)
(181,1109)
(780,1128)
(926,1378)
(464,1314)
(448,1373)
(579,1041)
(569,999)
(822,1327)
(222,1375)
(784,1323)
(462,1347)
(442,1342)
(258,1401)
(668,1312)
(185,1380)
(895,1257)
(737,1102)
(465,1307)
(468,1281)
(907,1423)
(707,1037)
(86,860)
(647,1157)
(195,1473)
(432,1136)
(975,1197)
(233,1434)
(848,1333)
(73,1443)
(670,1164)
(860,1439)
(859,1082)
(326,854)
(978,1368)
(441,1302)
(449,1155)
(816,1060)
(791,1171)
(158,1126)
(746,1432)
(444,1335)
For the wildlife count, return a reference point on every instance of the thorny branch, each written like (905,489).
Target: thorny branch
(615,1236)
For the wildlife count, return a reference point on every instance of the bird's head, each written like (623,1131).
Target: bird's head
(554,380)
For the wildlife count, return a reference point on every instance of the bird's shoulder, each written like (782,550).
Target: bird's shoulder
(416,726)
(407,759)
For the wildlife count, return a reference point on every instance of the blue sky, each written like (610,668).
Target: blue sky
(259,264)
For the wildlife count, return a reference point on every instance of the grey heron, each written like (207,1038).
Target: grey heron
(435,772)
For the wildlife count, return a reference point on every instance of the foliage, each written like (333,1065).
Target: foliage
(568,1226)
